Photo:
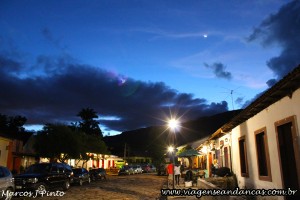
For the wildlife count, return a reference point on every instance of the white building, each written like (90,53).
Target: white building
(95,161)
(261,144)
(264,138)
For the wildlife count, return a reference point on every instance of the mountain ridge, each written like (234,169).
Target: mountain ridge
(150,140)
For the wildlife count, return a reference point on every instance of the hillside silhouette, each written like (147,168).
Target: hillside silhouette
(151,141)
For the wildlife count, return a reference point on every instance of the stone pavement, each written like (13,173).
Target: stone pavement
(133,187)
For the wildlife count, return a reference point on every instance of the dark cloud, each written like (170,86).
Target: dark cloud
(281,28)
(239,101)
(58,88)
(271,82)
(219,70)
(248,102)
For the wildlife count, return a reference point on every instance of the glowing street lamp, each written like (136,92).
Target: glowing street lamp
(172,152)
(170,149)
(173,124)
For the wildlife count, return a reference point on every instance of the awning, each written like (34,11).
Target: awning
(189,153)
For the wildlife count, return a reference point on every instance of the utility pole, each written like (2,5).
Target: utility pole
(125,151)
(232,99)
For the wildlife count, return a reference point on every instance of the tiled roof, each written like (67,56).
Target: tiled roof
(285,87)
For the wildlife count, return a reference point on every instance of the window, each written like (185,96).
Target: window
(262,154)
(243,157)
(54,169)
(61,168)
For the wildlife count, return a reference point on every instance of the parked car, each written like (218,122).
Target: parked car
(145,168)
(137,169)
(81,175)
(69,172)
(148,168)
(97,174)
(152,168)
(7,184)
(126,170)
(44,176)
(119,163)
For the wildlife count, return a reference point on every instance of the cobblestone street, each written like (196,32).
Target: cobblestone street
(133,187)
(141,186)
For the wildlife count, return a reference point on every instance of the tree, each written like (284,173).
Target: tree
(12,124)
(62,142)
(88,124)
(3,122)
(16,123)
(91,144)
(58,141)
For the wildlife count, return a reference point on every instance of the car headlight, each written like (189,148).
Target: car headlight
(32,180)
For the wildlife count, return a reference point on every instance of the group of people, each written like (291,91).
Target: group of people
(178,169)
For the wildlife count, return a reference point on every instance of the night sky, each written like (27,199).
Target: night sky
(136,62)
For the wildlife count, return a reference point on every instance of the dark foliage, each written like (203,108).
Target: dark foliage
(88,124)
(12,127)
(62,142)
(57,141)
(12,124)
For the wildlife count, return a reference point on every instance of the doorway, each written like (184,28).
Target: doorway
(226,157)
(288,151)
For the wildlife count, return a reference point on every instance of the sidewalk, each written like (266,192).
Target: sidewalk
(201,185)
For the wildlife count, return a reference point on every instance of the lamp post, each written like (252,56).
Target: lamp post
(173,125)
(171,150)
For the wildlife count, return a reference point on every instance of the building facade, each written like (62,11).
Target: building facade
(261,144)
(266,146)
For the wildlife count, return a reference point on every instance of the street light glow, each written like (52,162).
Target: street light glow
(173,124)
(170,149)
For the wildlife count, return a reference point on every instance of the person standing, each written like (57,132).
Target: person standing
(177,174)
(214,167)
(170,174)
(181,168)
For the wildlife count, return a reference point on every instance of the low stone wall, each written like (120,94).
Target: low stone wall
(223,182)
(229,183)
(203,184)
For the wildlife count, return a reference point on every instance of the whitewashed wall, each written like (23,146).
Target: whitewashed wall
(283,108)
